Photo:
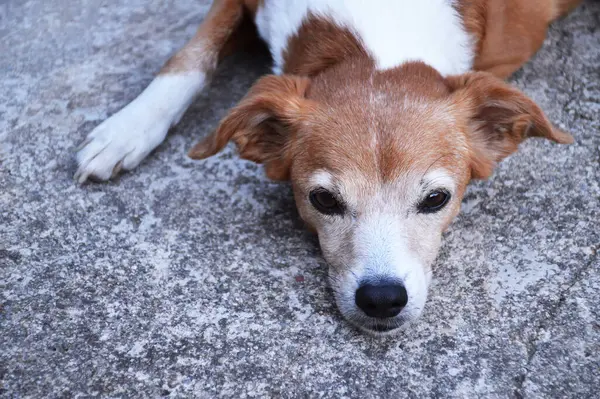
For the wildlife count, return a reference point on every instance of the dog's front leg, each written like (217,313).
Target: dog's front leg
(126,138)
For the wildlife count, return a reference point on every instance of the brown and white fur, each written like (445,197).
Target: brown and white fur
(377,103)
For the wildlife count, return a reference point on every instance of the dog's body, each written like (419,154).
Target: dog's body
(375,116)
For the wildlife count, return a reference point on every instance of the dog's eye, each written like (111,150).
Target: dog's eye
(434,201)
(325,202)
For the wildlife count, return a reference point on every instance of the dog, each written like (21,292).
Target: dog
(379,112)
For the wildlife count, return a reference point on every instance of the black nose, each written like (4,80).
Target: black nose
(381,300)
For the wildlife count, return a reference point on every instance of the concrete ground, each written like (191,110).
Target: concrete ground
(197,279)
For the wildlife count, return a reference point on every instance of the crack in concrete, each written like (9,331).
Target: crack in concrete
(533,343)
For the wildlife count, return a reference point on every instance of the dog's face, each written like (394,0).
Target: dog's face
(380,237)
(379,163)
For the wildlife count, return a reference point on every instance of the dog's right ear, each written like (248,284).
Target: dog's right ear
(262,124)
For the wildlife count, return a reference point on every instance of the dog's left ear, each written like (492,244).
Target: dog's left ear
(500,117)
(262,124)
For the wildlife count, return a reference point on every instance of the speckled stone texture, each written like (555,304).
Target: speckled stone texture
(189,278)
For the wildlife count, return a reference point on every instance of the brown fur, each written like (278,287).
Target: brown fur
(508,32)
(334,111)
(270,124)
(319,45)
(465,124)
(500,118)
(227,27)
(260,125)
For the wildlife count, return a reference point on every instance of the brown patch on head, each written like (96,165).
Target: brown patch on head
(318,45)
(379,123)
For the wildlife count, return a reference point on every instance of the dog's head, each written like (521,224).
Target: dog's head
(379,163)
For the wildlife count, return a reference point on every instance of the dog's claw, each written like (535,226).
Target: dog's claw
(80,176)
(117,169)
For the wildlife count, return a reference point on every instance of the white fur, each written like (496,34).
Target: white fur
(393,31)
(439,178)
(381,245)
(127,137)
(382,235)
(321,178)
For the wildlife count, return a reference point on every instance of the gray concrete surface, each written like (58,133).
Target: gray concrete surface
(197,279)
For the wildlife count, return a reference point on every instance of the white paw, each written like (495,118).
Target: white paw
(120,142)
(126,138)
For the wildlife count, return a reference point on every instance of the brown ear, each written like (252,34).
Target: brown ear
(500,118)
(262,123)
